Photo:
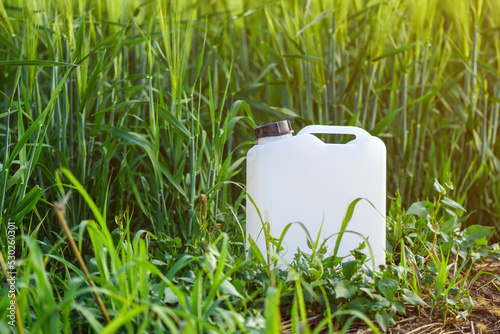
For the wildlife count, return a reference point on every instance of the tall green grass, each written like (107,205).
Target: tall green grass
(153,104)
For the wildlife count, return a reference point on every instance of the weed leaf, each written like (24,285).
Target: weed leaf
(412,298)
(420,209)
(477,233)
(344,289)
(383,319)
(438,187)
(388,287)
(452,204)
(349,268)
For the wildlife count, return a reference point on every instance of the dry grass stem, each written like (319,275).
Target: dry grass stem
(59,206)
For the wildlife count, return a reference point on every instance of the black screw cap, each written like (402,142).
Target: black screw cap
(273,129)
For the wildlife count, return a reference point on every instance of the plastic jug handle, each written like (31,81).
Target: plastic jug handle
(332,129)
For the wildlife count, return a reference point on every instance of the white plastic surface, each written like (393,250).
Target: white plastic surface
(303,179)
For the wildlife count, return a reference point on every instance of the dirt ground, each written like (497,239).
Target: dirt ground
(483,319)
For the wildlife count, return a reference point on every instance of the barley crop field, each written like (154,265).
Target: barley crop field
(124,128)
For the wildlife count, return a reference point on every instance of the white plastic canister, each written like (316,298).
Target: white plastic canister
(303,179)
